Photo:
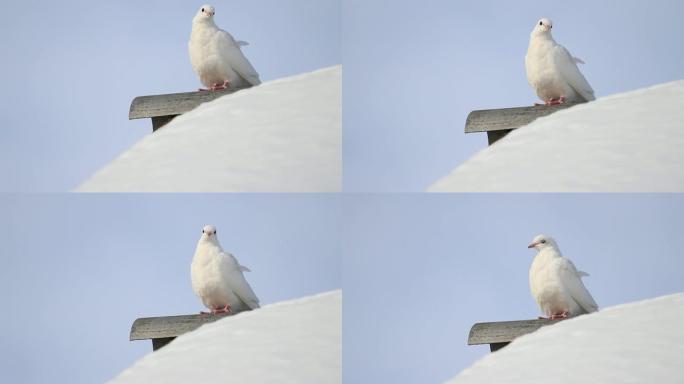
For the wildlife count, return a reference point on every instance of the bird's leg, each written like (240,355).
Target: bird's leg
(557,101)
(558,316)
(217,86)
(224,309)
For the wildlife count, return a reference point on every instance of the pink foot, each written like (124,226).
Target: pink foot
(225,309)
(558,101)
(559,316)
(217,86)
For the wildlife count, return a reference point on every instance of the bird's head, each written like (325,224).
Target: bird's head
(209,233)
(543,27)
(541,242)
(205,13)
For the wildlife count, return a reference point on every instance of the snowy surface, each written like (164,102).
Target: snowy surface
(640,342)
(296,341)
(627,142)
(281,136)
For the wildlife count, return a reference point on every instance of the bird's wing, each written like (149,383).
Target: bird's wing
(232,54)
(236,280)
(572,281)
(567,65)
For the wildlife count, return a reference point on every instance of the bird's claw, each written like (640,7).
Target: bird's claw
(216,87)
(225,309)
(559,316)
(558,101)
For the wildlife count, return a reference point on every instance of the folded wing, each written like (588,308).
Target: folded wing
(237,282)
(232,54)
(567,65)
(572,282)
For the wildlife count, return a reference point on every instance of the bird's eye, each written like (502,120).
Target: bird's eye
(202,9)
(214,232)
(540,23)
(543,241)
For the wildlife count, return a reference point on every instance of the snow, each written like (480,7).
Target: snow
(280,136)
(631,142)
(640,342)
(296,341)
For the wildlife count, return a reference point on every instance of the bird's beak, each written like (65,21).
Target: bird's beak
(532,245)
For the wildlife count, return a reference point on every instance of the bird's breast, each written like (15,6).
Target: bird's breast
(542,74)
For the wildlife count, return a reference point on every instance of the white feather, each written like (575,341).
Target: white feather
(556,284)
(233,56)
(217,276)
(237,282)
(216,56)
(567,65)
(552,71)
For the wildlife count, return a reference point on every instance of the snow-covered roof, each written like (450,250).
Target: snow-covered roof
(281,136)
(627,142)
(639,342)
(296,341)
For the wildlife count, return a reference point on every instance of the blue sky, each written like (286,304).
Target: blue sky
(419,271)
(78,269)
(411,73)
(414,70)
(70,70)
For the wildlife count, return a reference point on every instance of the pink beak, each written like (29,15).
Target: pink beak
(532,245)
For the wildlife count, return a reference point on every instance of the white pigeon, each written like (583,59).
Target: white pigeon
(216,56)
(556,284)
(217,277)
(552,71)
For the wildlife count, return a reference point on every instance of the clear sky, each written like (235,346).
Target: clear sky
(414,70)
(78,269)
(419,271)
(70,70)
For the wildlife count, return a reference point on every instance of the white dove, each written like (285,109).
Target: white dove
(552,71)
(217,277)
(216,56)
(556,284)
